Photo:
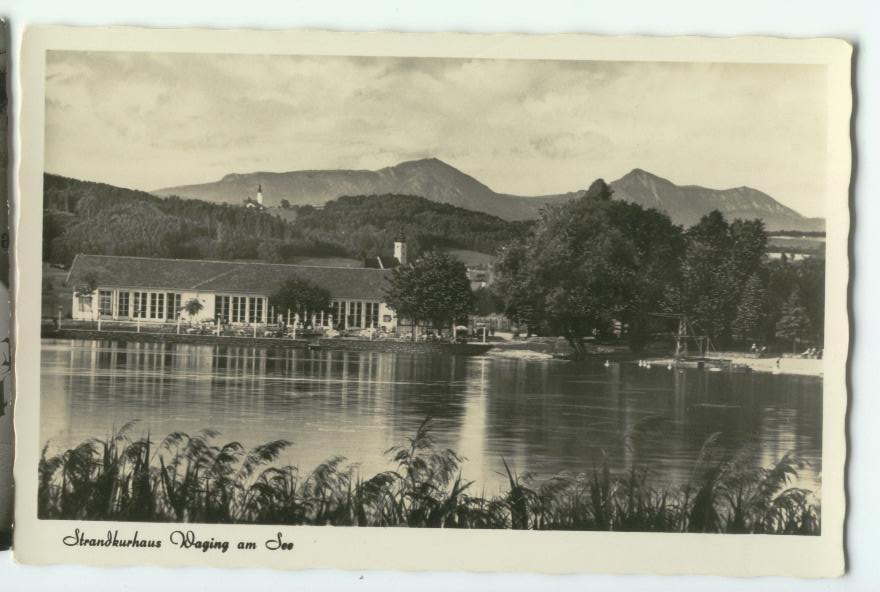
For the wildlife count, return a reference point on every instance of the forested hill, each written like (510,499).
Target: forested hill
(369,224)
(87,217)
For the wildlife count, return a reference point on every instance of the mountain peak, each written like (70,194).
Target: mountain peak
(423,163)
(642,174)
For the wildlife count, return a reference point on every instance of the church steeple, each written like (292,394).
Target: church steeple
(400,249)
(260,194)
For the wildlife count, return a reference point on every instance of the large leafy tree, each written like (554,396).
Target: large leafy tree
(435,288)
(300,295)
(487,302)
(590,262)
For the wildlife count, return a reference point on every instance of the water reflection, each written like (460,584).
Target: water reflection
(541,417)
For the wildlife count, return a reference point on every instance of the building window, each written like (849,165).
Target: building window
(157,305)
(122,301)
(338,311)
(172,306)
(354,314)
(105,303)
(84,303)
(221,308)
(386,318)
(255,308)
(372,314)
(140,305)
(238,311)
(233,309)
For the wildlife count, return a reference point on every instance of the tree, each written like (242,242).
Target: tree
(487,302)
(794,324)
(270,250)
(804,276)
(87,286)
(748,323)
(193,307)
(591,262)
(435,288)
(285,204)
(719,261)
(300,295)
(810,274)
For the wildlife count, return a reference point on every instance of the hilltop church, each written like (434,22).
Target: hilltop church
(255,203)
(151,289)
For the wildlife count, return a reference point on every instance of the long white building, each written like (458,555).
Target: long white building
(156,290)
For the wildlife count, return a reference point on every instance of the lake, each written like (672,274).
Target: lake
(542,417)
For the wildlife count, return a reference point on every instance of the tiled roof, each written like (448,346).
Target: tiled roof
(223,276)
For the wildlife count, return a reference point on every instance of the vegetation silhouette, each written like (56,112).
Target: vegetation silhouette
(191,478)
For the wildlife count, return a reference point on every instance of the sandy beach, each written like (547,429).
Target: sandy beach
(798,366)
(802,366)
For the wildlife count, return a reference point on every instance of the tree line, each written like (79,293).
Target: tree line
(96,218)
(368,224)
(600,267)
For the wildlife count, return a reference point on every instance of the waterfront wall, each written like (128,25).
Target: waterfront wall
(271,342)
(175,338)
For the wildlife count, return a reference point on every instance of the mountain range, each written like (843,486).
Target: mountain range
(438,181)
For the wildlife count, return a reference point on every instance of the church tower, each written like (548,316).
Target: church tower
(400,249)
(260,194)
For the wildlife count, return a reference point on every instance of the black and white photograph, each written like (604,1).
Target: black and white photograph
(414,292)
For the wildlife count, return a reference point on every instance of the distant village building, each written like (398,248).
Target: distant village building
(151,289)
(478,277)
(386,262)
(257,202)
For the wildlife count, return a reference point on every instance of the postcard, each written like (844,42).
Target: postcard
(310,299)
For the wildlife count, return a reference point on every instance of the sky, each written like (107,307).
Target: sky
(525,127)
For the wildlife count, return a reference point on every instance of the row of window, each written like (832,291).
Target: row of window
(239,309)
(355,314)
(136,305)
(230,309)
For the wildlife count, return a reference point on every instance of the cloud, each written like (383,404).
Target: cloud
(522,126)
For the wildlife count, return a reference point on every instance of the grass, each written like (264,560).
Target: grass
(190,478)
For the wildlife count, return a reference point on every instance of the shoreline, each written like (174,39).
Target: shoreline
(798,366)
(794,366)
(319,343)
(525,351)
(787,366)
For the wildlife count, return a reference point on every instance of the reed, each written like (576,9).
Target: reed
(191,478)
